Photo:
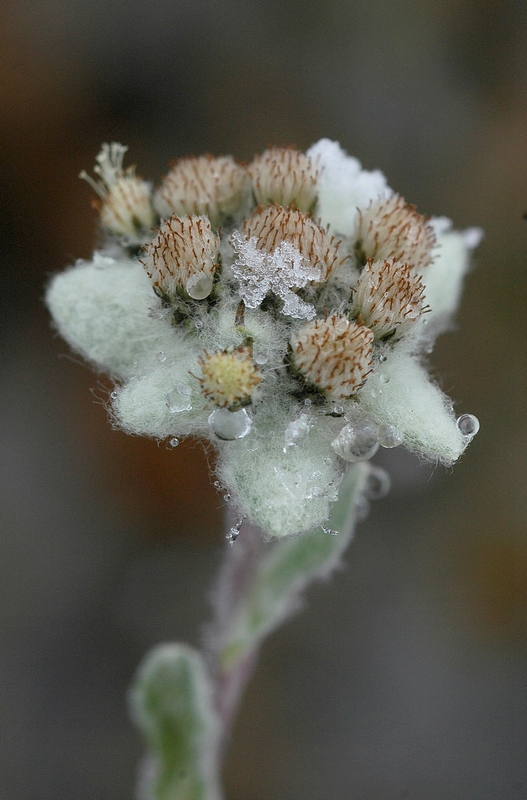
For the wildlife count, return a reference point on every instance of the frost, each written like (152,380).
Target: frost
(259,273)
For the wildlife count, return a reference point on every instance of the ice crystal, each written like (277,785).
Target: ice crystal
(259,274)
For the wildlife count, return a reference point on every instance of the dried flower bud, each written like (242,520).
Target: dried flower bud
(285,176)
(125,200)
(209,186)
(391,229)
(275,224)
(333,354)
(182,258)
(389,298)
(229,378)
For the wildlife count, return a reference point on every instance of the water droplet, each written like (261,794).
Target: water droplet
(389,436)
(217,485)
(296,431)
(357,442)
(317,474)
(308,402)
(199,285)
(375,393)
(173,442)
(161,356)
(198,323)
(468,425)
(377,484)
(252,444)
(314,493)
(114,395)
(179,399)
(384,378)
(330,531)
(383,358)
(233,534)
(229,425)
(339,410)
(259,358)
(226,497)
(327,462)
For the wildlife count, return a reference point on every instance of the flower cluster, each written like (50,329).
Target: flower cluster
(281,310)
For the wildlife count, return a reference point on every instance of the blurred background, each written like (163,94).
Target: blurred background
(406,677)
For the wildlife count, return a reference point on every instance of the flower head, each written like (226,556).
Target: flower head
(229,379)
(182,257)
(295,358)
(274,225)
(389,229)
(389,298)
(286,177)
(125,200)
(205,186)
(334,355)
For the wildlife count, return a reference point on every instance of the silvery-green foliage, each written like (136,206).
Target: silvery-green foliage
(171,701)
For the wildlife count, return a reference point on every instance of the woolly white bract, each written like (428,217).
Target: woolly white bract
(282,450)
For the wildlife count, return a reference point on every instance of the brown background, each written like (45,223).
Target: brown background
(406,677)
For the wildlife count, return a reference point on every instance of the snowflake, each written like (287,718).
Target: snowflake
(259,273)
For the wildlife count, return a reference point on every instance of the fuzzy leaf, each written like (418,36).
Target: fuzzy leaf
(103,313)
(407,399)
(171,703)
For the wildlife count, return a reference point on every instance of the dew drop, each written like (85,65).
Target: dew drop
(384,378)
(329,531)
(468,425)
(234,532)
(173,442)
(161,356)
(199,285)
(229,425)
(217,486)
(383,358)
(179,399)
(389,436)
(296,432)
(377,484)
(114,395)
(339,410)
(314,493)
(198,324)
(356,442)
(259,358)
(226,497)
(327,462)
